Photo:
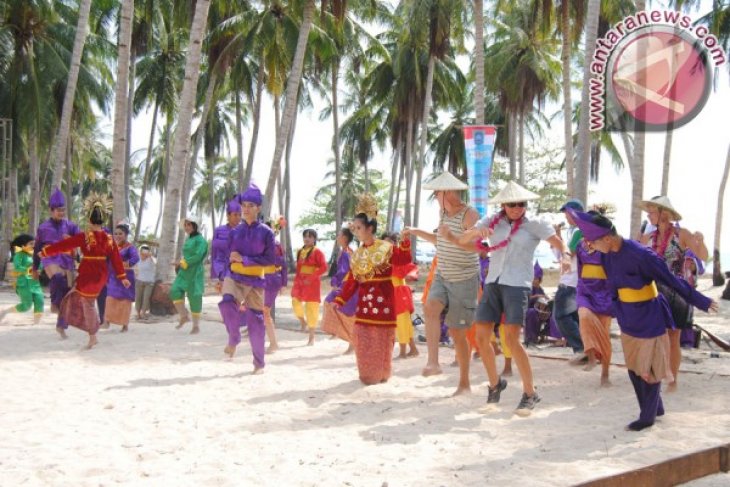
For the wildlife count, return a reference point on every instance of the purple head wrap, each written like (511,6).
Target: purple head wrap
(251,195)
(590,230)
(538,270)
(233,206)
(57,200)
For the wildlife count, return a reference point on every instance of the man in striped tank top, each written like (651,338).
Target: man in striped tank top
(457,277)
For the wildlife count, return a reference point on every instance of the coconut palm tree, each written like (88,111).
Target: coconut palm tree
(181,145)
(59,149)
(119,140)
(290,103)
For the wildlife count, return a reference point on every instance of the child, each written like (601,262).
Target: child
(26,287)
(119,298)
(145,282)
(305,292)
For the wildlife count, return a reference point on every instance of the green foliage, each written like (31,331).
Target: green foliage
(543,175)
(321,213)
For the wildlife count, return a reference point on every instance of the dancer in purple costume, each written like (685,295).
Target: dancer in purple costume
(277,277)
(219,253)
(643,314)
(59,268)
(251,247)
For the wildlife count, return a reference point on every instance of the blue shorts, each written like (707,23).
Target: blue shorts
(498,299)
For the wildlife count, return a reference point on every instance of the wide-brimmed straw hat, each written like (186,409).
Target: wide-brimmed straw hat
(446,182)
(663,203)
(513,193)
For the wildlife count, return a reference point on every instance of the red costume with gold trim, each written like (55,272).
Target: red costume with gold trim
(96,248)
(311,264)
(371,273)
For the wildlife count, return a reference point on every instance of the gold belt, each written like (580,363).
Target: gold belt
(398,281)
(593,271)
(248,270)
(307,269)
(631,295)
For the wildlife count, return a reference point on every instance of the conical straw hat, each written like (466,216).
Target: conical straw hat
(446,182)
(663,203)
(513,193)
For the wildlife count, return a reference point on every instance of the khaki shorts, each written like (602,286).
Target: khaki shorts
(252,297)
(460,297)
(53,269)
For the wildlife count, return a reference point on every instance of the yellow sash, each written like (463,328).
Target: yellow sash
(398,281)
(630,295)
(248,270)
(593,271)
(307,269)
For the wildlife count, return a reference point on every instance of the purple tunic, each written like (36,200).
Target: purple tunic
(635,266)
(592,293)
(278,279)
(256,245)
(219,252)
(114,287)
(343,267)
(49,232)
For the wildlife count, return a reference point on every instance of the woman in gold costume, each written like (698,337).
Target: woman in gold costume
(371,268)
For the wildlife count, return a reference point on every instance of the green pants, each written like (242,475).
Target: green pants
(29,299)
(177,295)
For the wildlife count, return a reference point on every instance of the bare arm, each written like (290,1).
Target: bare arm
(695,242)
(558,244)
(422,234)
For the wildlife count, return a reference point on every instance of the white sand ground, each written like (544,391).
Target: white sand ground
(157,406)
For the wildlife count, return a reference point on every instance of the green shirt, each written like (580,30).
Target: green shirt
(23,263)
(193,277)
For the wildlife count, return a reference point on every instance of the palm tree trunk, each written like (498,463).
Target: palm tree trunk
(409,165)
(239,142)
(336,147)
(290,105)
(9,204)
(283,191)
(393,173)
(637,173)
(513,145)
(35,184)
(181,145)
(255,129)
(211,191)
(401,175)
(119,141)
(718,279)
(146,177)
(522,148)
(479,61)
(192,164)
(421,162)
(580,188)
(666,162)
(567,101)
(130,114)
(64,127)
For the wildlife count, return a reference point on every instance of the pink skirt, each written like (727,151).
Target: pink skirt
(117,311)
(80,312)
(374,352)
(336,323)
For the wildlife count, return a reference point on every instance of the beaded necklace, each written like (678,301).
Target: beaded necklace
(493,223)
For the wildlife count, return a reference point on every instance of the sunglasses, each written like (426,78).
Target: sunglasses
(521,204)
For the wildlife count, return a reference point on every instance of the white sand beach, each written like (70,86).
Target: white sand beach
(157,406)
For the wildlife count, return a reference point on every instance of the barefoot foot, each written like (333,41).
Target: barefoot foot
(230,350)
(412,353)
(461,391)
(430,370)
(589,366)
(672,387)
(124,329)
(62,333)
(272,349)
(257,371)
(350,350)
(195,330)
(92,341)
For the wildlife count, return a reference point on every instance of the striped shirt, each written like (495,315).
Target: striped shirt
(454,263)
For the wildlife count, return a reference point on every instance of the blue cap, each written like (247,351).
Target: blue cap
(573,204)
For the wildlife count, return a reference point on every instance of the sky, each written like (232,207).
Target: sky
(698,156)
